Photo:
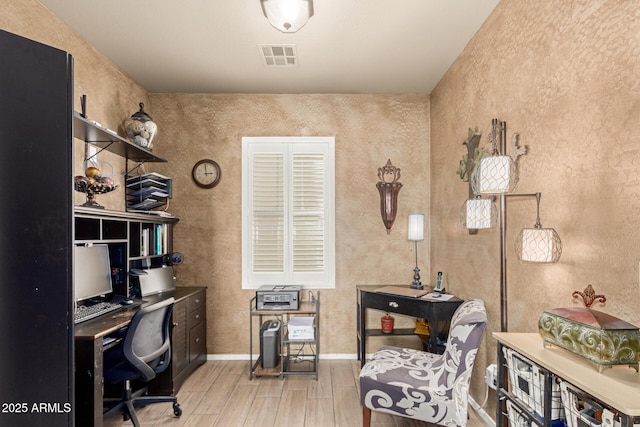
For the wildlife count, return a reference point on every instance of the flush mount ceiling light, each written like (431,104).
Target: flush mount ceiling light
(287,16)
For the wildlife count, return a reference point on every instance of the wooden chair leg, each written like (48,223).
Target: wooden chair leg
(366,417)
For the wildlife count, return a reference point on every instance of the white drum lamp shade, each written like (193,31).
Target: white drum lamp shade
(478,214)
(416,232)
(416,227)
(494,175)
(542,245)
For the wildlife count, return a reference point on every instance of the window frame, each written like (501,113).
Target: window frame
(288,146)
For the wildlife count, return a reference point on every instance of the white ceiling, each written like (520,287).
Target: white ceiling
(211,46)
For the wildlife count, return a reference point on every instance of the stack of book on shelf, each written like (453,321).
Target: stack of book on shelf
(148,191)
(154,240)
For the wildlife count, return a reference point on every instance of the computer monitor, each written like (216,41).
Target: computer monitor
(92,272)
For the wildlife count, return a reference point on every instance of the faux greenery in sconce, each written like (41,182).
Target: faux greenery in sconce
(473,156)
(470,161)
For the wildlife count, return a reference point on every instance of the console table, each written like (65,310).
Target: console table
(432,311)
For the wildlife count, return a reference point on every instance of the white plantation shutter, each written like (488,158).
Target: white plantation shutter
(308,212)
(288,211)
(268,212)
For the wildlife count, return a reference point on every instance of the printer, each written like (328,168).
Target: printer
(278,297)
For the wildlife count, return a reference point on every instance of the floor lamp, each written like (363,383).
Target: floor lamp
(497,175)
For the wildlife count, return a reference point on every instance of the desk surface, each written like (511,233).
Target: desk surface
(111,322)
(618,386)
(374,288)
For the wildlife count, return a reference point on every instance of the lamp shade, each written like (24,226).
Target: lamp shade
(495,175)
(416,227)
(287,16)
(538,245)
(478,214)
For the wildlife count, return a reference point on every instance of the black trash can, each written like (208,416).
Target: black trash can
(270,343)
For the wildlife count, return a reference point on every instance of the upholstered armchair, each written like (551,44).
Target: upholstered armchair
(426,386)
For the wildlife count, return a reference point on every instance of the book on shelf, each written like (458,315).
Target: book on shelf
(154,240)
(144,242)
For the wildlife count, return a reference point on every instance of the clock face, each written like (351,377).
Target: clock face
(206,173)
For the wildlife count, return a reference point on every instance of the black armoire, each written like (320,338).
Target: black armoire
(36,226)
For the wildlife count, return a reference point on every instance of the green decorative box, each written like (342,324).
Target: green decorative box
(602,339)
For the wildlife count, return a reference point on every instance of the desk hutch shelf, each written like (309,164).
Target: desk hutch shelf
(135,241)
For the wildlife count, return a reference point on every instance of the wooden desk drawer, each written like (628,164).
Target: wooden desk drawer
(196,317)
(197,341)
(196,301)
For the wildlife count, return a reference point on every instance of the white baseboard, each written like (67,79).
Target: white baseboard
(481,413)
(335,356)
(229,357)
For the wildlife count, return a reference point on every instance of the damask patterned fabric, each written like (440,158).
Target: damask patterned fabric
(425,386)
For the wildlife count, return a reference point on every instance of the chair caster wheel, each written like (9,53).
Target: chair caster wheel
(177,410)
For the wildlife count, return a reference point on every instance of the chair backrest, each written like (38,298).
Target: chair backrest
(465,334)
(146,345)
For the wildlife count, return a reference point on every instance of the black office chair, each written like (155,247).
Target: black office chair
(144,352)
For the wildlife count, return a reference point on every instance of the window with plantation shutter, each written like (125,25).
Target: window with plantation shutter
(288,211)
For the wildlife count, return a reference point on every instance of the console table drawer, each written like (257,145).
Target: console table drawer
(413,307)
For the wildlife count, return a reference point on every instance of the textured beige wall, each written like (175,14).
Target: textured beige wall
(111,95)
(369,129)
(566,76)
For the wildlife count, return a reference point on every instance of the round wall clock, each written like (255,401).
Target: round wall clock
(206,173)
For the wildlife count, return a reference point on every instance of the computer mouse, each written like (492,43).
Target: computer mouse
(127,302)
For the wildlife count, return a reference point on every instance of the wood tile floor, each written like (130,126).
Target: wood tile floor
(220,393)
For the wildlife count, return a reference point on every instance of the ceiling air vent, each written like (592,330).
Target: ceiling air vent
(279,55)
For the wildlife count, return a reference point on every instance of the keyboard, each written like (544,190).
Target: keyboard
(86,312)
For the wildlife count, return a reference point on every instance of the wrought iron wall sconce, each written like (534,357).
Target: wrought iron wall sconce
(388,193)
(496,175)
